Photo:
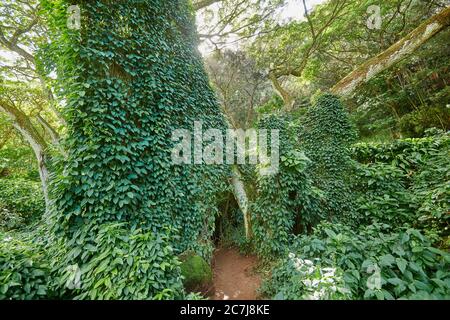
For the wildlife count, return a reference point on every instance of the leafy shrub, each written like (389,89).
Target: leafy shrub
(274,104)
(18,162)
(302,279)
(431,186)
(21,201)
(24,269)
(414,124)
(406,154)
(381,196)
(376,262)
(411,176)
(117,262)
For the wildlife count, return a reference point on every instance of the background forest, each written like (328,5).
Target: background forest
(91,206)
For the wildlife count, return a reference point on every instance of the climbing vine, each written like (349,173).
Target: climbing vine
(130,77)
(285,201)
(326,135)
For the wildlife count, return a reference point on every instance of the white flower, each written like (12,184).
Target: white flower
(309,262)
(7,239)
(291,255)
(298,264)
(307,282)
(315,282)
(331,270)
(329,280)
(317,295)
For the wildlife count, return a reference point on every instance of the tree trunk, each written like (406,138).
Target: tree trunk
(238,185)
(284,94)
(393,54)
(23,124)
(200,4)
(241,198)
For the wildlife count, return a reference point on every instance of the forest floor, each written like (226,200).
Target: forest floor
(234,275)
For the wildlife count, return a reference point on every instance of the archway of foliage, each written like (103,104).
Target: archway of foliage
(130,76)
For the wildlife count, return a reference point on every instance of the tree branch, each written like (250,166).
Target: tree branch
(198,5)
(393,54)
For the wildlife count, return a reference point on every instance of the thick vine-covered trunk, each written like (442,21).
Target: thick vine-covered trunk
(132,75)
(393,54)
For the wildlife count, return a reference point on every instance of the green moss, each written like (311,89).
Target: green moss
(196,272)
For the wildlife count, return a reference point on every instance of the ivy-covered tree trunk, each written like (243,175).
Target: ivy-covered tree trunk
(131,75)
(326,135)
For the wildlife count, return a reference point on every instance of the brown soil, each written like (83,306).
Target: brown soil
(234,276)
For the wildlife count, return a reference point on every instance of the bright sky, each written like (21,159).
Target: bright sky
(293,10)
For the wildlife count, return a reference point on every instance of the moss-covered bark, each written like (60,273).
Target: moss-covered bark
(393,54)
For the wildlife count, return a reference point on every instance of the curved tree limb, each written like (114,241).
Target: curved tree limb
(393,54)
(285,95)
(200,4)
(22,123)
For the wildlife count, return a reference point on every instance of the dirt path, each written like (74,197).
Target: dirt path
(234,278)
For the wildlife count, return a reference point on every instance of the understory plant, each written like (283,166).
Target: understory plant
(115,261)
(405,181)
(21,202)
(24,268)
(377,262)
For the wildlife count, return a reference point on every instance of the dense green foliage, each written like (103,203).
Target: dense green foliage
(403,261)
(285,201)
(408,99)
(326,135)
(406,181)
(121,211)
(401,210)
(24,268)
(120,116)
(18,161)
(99,106)
(21,202)
(116,262)
(313,180)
